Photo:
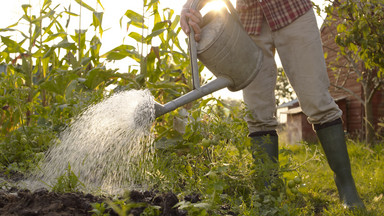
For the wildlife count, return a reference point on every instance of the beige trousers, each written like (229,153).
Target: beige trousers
(300,49)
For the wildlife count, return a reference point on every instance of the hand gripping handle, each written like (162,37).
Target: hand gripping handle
(192,43)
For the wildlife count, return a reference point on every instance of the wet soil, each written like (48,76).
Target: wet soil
(42,202)
(22,202)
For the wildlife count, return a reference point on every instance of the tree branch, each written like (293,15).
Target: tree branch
(350,92)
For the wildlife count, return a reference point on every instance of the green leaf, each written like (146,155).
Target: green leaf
(121,52)
(115,56)
(71,14)
(25,8)
(353,47)
(136,36)
(159,25)
(49,52)
(72,60)
(66,45)
(95,47)
(205,101)
(47,3)
(175,22)
(154,34)
(27,18)
(39,19)
(138,24)
(13,25)
(70,89)
(134,16)
(12,46)
(47,29)
(59,83)
(45,62)
(97,19)
(341,28)
(168,85)
(153,3)
(7,29)
(83,4)
(98,75)
(54,36)
(99,2)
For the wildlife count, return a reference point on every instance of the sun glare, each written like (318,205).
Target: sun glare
(214,5)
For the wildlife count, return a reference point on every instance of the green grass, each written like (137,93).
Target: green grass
(318,194)
(224,175)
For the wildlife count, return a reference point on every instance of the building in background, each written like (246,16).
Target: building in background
(296,125)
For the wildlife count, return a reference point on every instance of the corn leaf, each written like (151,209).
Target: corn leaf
(81,3)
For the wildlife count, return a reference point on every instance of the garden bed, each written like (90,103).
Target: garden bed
(16,201)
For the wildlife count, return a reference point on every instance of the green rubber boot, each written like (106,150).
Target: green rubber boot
(331,136)
(265,149)
(267,141)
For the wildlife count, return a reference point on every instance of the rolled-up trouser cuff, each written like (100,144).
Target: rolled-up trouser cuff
(327,124)
(263,133)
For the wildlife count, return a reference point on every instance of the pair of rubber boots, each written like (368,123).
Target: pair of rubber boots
(331,136)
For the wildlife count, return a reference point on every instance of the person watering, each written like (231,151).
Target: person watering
(289,26)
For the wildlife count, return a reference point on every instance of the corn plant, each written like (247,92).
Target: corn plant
(164,69)
(53,72)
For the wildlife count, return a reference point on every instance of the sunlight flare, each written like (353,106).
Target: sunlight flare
(214,5)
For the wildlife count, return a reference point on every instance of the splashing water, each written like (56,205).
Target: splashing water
(106,144)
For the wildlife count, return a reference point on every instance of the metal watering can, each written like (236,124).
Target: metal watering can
(226,50)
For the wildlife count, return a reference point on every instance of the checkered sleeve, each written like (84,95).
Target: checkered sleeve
(278,13)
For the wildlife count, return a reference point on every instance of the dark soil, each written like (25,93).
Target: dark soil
(42,202)
(165,200)
(22,202)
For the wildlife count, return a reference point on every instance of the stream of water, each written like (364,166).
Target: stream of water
(106,145)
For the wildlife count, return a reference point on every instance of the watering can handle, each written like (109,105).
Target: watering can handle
(192,43)
(193,52)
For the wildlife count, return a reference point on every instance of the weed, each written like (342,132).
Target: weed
(123,207)
(68,182)
(98,209)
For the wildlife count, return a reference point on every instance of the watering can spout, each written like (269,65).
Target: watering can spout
(159,109)
(195,94)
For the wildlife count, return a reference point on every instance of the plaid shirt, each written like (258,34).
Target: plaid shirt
(278,13)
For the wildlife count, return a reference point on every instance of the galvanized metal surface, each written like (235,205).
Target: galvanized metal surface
(226,50)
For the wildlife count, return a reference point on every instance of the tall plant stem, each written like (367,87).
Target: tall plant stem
(80,32)
(142,40)
(42,73)
(30,68)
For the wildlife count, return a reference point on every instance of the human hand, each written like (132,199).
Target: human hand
(191,18)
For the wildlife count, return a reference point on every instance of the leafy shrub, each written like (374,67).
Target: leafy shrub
(68,182)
